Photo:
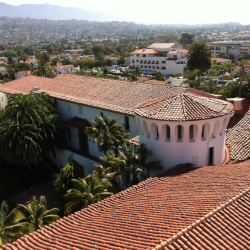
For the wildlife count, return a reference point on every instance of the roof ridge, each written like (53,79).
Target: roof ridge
(221,207)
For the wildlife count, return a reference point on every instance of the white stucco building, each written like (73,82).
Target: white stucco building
(230,47)
(168,58)
(144,109)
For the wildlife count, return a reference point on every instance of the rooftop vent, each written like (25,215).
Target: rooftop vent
(35,88)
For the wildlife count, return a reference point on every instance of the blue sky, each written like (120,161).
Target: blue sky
(162,11)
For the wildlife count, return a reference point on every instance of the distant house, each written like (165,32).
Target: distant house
(61,69)
(21,74)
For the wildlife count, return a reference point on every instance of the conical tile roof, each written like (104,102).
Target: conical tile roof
(184,107)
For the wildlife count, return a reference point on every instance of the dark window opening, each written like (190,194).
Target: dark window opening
(168,132)
(69,133)
(191,132)
(202,132)
(101,114)
(126,125)
(179,132)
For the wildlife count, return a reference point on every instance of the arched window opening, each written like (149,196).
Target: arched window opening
(216,129)
(179,133)
(154,131)
(168,132)
(191,132)
(145,128)
(139,125)
(205,131)
(224,126)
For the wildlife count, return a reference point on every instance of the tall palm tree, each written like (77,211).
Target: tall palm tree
(30,129)
(105,130)
(36,213)
(43,69)
(199,57)
(244,64)
(86,191)
(50,48)
(9,230)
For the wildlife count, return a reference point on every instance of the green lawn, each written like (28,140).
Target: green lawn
(8,187)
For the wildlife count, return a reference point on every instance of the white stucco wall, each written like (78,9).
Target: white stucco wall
(62,159)
(173,152)
(3,100)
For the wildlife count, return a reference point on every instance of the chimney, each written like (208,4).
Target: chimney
(35,88)
(241,105)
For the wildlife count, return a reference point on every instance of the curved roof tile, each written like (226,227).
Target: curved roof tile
(184,107)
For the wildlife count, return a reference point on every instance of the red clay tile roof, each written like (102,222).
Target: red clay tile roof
(238,138)
(184,107)
(24,72)
(150,213)
(78,122)
(135,140)
(156,82)
(145,51)
(226,227)
(114,95)
(142,78)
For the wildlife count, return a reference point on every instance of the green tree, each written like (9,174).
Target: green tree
(244,65)
(62,184)
(191,79)
(50,48)
(23,56)
(159,76)
(101,57)
(86,191)
(87,51)
(105,130)
(199,57)
(186,39)
(36,213)
(137,71)
(9,229)
(97,49)
(30,130)
(43,69)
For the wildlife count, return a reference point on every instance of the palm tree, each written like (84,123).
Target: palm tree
(86,191)
(36,213)
(137,71)
(191,79)
(30,129)
(50,49)
(106,131)
(244,64)
(9,230)
(62,184)
(199,57)
(145,153)
(43,69)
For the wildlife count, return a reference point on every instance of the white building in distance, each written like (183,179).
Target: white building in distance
(168,58)
(230,47)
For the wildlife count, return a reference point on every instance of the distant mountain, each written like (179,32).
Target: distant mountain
(54,12)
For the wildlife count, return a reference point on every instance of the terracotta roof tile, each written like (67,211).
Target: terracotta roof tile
(135,140)
(184,107)
(114,95)
(238,137)
(156,211)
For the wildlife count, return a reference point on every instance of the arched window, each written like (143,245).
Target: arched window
(205,131)
(166,132)
(145,128)
(139,125)
(224,126)
(154,131)
(216,129)
(191,132)
(179,132)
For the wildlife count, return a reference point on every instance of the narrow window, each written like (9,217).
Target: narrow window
(2,99)
(126,123)
(191,132)
(157,132)
(168,132)
(101,114)
(203,131)
(69,133)
(80,109)
(179,132)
